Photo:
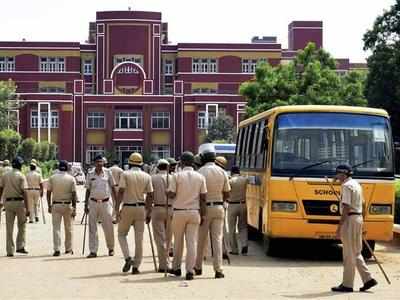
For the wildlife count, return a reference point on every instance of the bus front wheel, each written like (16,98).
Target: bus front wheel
(365,251)
(270,245)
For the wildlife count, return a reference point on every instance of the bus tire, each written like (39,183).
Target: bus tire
(365,251)
(270,246)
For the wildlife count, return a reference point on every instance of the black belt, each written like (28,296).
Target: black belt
(214,203)
(15,199)
(161,205)
(134,204)
(236,202)
(102,200)
(354,214)
(185,209)
(62,202)
(33,189)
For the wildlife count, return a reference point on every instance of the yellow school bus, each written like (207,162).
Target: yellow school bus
(287,153)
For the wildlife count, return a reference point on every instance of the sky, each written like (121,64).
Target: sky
(345,21)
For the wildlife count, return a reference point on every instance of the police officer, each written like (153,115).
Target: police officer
(162,213)
(13,187)
(218,192)
(350,231)
(135,187)
(116,172)
(189,188)
(34,191)
(237,211)
(172,165)
(61,200)
(99,189)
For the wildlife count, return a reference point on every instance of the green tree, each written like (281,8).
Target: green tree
(383,81)
(52,151)
(26,149)
(41,151)
(221,130)
(9,143)
(8,102)
(309,79)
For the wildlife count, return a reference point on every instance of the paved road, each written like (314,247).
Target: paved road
(303,271)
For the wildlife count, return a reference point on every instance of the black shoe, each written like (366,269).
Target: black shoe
(245,250)
(171,253)
(69,252)
(127,266)
(10,255)
(135,271)
(177,272)
(22,250)
(92,255)
(56,253)
(189,276)
(198,272)
(369,284)
(219,275)
(111,252)
(233,253)
(341,288)
(36,219)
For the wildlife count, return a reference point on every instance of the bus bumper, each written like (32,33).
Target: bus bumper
(300,228)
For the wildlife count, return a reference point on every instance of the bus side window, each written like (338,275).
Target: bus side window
(262,146)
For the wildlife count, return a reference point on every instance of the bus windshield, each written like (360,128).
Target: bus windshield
(304,139)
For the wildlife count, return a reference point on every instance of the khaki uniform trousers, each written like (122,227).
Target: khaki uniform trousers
(185,225)
(162,237)
(114,203)
(33,203)
(59,212)
(132,216)
(237,216)
(351,236)
(213,223)
(100,211)
(15,209)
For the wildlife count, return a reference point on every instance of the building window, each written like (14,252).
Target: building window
(168,67)
(204,65)
(204,91)
(128,69)
(250,65)
(130,149)
(168,89)
(202,117)
(92,151)
(128,120)
(161,151)
(52,64)
(44,120)
(160,120)
(7,64)
(96,120)
(51,89)
(87,67)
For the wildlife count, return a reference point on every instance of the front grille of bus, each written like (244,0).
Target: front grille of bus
(320,207)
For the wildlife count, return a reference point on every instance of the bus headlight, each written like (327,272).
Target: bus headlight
(284,206)
(380,209)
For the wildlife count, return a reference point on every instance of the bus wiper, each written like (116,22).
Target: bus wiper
(309,167)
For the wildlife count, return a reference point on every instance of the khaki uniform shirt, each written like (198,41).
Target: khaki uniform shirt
(217,181)
(188,185)
(160,188)
(238,188)
(14,184)
(101,185)
(351,194)
(136,185)
(116,173)
(34,180)
(62,185)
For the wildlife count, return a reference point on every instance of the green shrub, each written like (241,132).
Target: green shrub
(26,149)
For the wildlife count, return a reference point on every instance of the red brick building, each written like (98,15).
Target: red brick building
(127,88)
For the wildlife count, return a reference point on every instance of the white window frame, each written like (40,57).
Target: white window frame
(168,67)
(201,120)
(52,64)
(94,118)
(44,120)
(7,64)
(92,151)
(160,117)
(51,89)
(88,67)
(196,65)
(161,151)
(134,120)
(128,69)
